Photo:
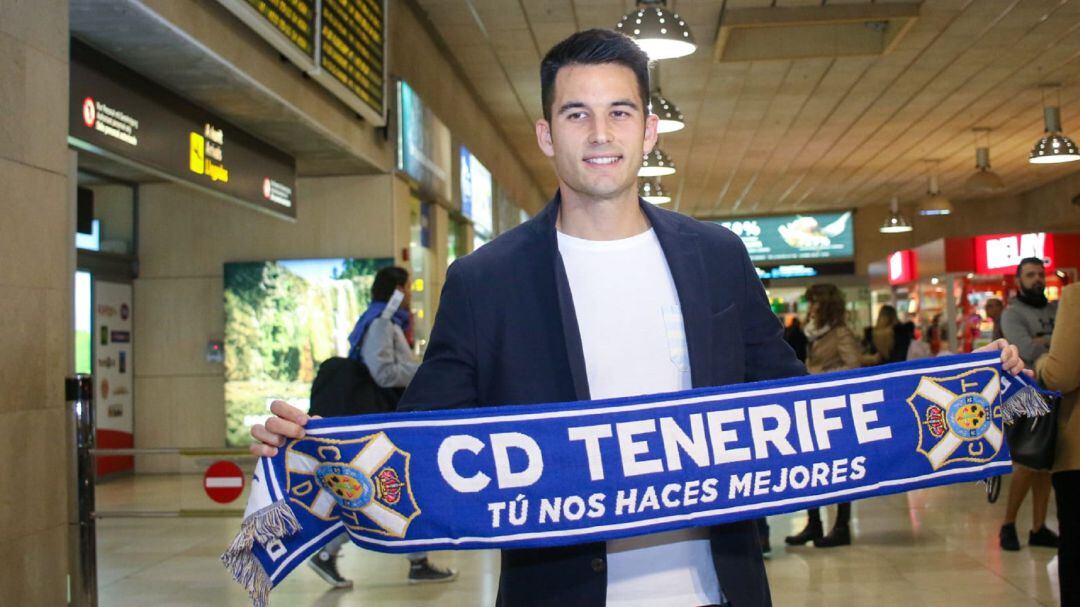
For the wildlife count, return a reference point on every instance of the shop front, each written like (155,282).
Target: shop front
(943,286)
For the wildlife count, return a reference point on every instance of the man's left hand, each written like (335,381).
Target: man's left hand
(1010,357)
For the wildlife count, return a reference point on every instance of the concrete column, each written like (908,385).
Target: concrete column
(36,266)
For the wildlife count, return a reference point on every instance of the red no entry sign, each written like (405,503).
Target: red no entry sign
(223,482)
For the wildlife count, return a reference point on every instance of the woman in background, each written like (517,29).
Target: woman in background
(833,347)
(1059,369)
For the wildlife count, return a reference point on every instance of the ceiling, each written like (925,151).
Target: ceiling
(807,134)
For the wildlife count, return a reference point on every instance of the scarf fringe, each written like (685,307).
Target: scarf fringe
(1029,401)
(272,522)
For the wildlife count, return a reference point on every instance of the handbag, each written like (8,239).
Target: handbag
(1031,439)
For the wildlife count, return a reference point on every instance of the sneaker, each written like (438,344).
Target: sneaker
(325,564)
(766,546)
(1008,539)
(1043,537)
(422,572)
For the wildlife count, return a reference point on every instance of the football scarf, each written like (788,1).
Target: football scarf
(548,475)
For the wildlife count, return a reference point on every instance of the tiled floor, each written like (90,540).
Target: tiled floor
(926,548)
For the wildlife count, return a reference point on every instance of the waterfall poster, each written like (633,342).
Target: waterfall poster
(282,320)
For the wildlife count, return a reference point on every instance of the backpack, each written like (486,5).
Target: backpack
(344,386)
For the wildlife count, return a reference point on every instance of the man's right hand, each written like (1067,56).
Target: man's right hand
(288,422)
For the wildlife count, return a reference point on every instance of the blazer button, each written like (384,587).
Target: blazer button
(599,565)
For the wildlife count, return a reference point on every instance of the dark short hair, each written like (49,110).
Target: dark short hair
(1026,261)
(593,47)
(387,280)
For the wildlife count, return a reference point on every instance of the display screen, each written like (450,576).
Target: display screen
(351,48)
(284,23)
(796,237)
(282,320)
(116,111)
(423,145)
(476,195)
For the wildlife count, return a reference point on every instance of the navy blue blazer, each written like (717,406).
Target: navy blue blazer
(506,333)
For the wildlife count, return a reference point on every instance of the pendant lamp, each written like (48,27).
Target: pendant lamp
(895,223)
(984,181)
(935,203)
(656,164)
(671,119)
(651,191)
(659,32)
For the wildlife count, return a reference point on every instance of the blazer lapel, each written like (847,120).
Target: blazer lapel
(552,265)
(687,268)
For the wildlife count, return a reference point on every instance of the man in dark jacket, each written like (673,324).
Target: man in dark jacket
(602,295)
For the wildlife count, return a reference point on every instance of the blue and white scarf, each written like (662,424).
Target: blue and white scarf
(548,475)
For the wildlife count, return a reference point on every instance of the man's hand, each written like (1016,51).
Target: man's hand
(288,422)
(1010,357)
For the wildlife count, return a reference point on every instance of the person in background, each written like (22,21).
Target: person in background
(1027,323)
(379,340)
(888,340)
(935,335)
(794,336)
(1059,369)
(833,347)
(994,307)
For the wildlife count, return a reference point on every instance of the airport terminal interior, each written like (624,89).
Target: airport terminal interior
(199,195)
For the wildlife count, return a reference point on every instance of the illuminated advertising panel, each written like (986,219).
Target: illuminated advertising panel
(816,236)
(1001,253)
(476,195)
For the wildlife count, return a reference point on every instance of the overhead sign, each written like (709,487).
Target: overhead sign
(1001,253)
(423,144)
(119,113)
(796,237)
(288,25)
(804,271)
(341,44)
(223,481)
(352,50)
(902,267)
(476,194)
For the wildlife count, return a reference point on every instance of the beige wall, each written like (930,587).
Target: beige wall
(1047,208)
(416,58)
(185,238)
(36,265)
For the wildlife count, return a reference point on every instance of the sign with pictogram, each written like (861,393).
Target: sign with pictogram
(223,481)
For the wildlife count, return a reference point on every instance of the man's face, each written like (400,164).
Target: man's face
(599,130)
(1033,277)
(993,309)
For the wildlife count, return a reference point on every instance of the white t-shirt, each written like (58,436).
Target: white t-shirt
(634,343)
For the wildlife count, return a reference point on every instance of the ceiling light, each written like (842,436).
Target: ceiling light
(671,119)
(895,223)
(656,164)
(659,32)
(651,191)
(984,181)
(1054,147)
(934,203)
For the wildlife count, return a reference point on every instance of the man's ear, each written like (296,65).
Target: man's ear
(543,138)
(652,123)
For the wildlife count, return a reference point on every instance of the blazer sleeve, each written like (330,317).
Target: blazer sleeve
(768,356)
(1060,368)
(447,378)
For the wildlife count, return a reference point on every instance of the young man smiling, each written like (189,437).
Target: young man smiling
(601,295)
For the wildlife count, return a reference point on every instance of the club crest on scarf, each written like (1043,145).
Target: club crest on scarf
(363,482)
(959,417)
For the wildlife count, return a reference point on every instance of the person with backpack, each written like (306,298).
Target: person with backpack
(371,380)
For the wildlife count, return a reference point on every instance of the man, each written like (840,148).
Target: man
(1028,323)
(379,342)
(993,309)
(602,295)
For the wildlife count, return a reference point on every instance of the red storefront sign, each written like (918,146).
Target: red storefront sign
(1001,253)
(902,267)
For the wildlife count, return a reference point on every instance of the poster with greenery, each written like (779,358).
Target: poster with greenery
(282,320)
